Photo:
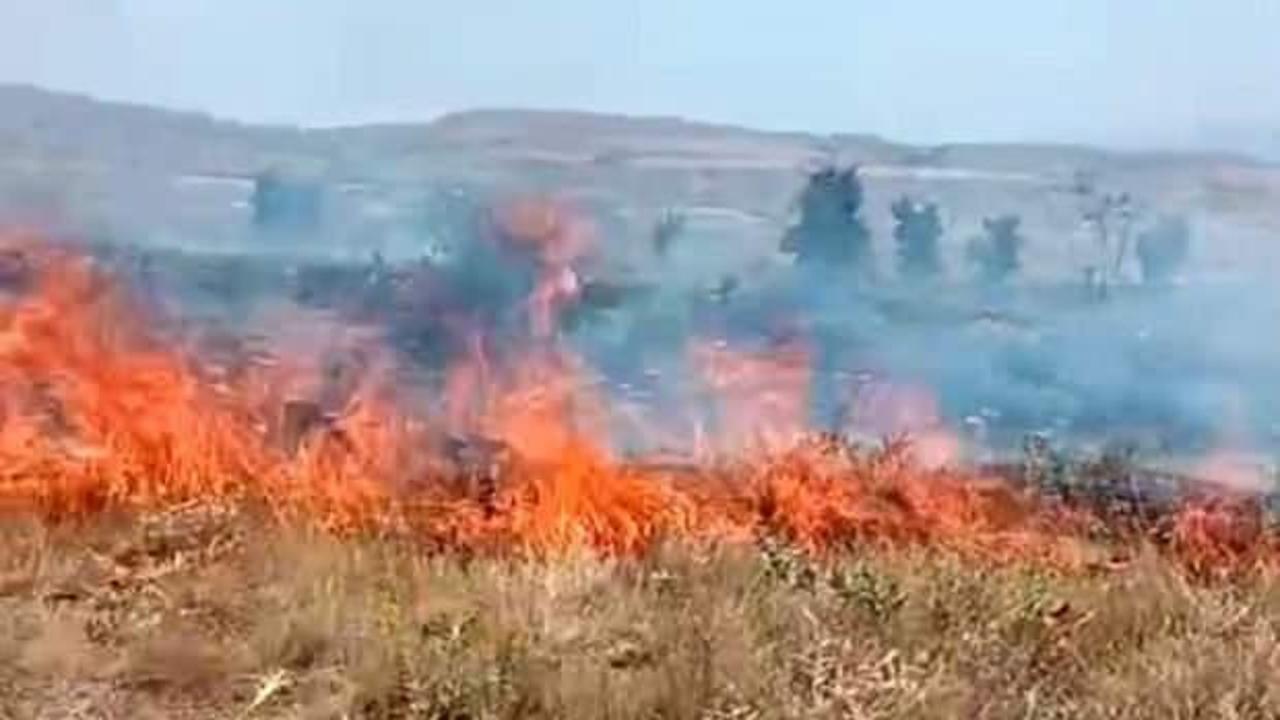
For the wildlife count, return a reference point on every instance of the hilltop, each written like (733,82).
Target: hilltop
(82,163)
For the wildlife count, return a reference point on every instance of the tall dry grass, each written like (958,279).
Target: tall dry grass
(207,615)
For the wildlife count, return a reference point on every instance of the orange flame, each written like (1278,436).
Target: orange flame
(554,237)
(760,398)
(97,412)
(888,409)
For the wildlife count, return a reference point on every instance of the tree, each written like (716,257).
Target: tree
(830,231)
(281,203)
(829,237)
(669,226)
(447,219)
(1163,249)
(917,230)
(996,252)
(1109,217)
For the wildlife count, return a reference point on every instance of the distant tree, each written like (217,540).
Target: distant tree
(1163,249)
(724,290)
(666,230)
(447,219)
(830,231)
(1109,216)
(281,203)
(917,229)
(996,252)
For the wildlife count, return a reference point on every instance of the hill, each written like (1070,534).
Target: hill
(81,164)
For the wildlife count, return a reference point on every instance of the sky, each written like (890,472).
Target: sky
(1149,73)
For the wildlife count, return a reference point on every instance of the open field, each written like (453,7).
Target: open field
(212,614)
(562,469)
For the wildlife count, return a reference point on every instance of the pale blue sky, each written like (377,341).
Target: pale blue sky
(1132,72)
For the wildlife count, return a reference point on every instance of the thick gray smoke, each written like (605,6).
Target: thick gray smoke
(1171,371)
(1176,371)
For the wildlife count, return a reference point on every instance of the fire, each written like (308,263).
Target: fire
(95,412)
(896,409)
(760,399)
(1235,471)
(99,410)
(825,496)
(554,238)
(1218,536)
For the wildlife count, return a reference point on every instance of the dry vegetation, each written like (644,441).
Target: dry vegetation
(197,613)
(823,581)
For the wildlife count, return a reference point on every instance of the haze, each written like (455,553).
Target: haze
(1171,73)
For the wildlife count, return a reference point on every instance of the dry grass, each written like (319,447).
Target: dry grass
(207,615)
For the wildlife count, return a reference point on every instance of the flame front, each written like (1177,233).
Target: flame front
(98,412)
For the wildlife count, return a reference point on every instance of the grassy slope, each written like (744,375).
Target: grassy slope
(203,615)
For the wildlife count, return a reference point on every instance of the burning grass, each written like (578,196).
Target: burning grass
(99,412)
(268,539)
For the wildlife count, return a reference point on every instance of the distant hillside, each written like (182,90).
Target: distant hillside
(67,125)
(67,129)
(81,162)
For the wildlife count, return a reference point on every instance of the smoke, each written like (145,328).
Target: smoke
(1175,372)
